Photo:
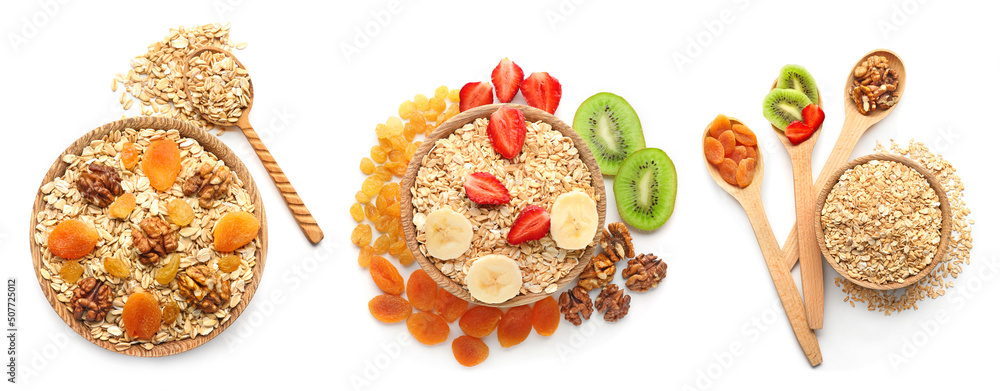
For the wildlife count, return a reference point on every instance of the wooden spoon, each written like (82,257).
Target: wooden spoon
(805,196)
(855,125)
(750,199)
(305,219)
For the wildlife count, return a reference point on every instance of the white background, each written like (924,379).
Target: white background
(317,109)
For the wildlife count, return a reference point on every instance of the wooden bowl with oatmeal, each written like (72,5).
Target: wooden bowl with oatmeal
(554,160)
(883,221)
(147,229)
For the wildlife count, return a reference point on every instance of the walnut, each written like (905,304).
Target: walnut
(863,99)
(154,239)
(887,100)
(100,185)
(91,300)
(644,272)
(613,302)
(874,85)
(598,273)
(574,304)
(617,242)
(203,289)
(209,184)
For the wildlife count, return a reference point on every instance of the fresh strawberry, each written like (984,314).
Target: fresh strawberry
(507,76)
(813,116)
(484,188)
(797,132)
(475,94)
(542,91)
(531,224)
(507,131)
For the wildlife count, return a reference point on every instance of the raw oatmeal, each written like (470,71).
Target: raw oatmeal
(549,165)
(195,241)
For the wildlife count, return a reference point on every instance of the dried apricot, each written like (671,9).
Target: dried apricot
(367,166)
(122,207)
(386,276)
(130,156)
(449,306)
(744,135)
(480,321)
(365,256)
(72,239)
(141,315)
(727,170)
(116,267)
(170,313)
(71,271)
(469,351)
(714,151)
(389,308)
(166,273)
(235,230)
(514,326)
(362,235)
(744,173)
(229,263)
(421,290)
(728,141)
(545,316)
(738,154)
(180,212)
(161,163)
(720,124)
(381,244)
(752,152)
(357,212)
(428,328)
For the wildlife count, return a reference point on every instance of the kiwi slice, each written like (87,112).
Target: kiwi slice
(782,106)
(645,188)
(611,128)
(796,77)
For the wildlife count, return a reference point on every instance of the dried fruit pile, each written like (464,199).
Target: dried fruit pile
(131,253)
(732,149)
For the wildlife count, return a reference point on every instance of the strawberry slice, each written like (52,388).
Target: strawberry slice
(813,116)
(531,224)
(542,91)
(475,94)
(484,188)
(507,76)
(798,131)
(507,131)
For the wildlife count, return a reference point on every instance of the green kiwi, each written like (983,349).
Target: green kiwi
(611,128)
(796,77)
(782,106)
(645,188)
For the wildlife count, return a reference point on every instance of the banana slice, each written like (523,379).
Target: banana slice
(493,279)
(574,220)
(449,234)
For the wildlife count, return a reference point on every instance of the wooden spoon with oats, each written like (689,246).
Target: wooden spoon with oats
(219,87)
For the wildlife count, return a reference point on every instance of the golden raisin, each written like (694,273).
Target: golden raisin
(395,126)
(382,131)
(453,95)
(421,102)
(406,107)
(71,271)
(362,235)
(441,92)
(357,212)
(397,168)
(406,258)
(166,273)
(389,308)
(72,239)
(395,155)
(383,173)
(480,321)
(514,326)
(386,276)
(469,351)
(235,230)
(365,256)
(411,150)
(130,156)
(545,316)
(381,244)
(448,306)
(141,315)
(392,210)
(229,263)
(382,224)
(378,154)
(437,104)
(397,247)
(421,290)
(390,191)
(171,312)
(361,197)
(428,328)
(180,212)
(371,212)
(161,162)
(122,207)
(371,186)
(367,166)
(116,267)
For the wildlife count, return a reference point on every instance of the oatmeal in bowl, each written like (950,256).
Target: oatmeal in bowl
(500,225)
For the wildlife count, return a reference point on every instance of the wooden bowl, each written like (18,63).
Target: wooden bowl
(209,143)
(531,114)
(945,220)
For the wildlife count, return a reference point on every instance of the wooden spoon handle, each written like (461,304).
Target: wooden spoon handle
(305,219)
(809,257)
(841,153)
(783,282)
